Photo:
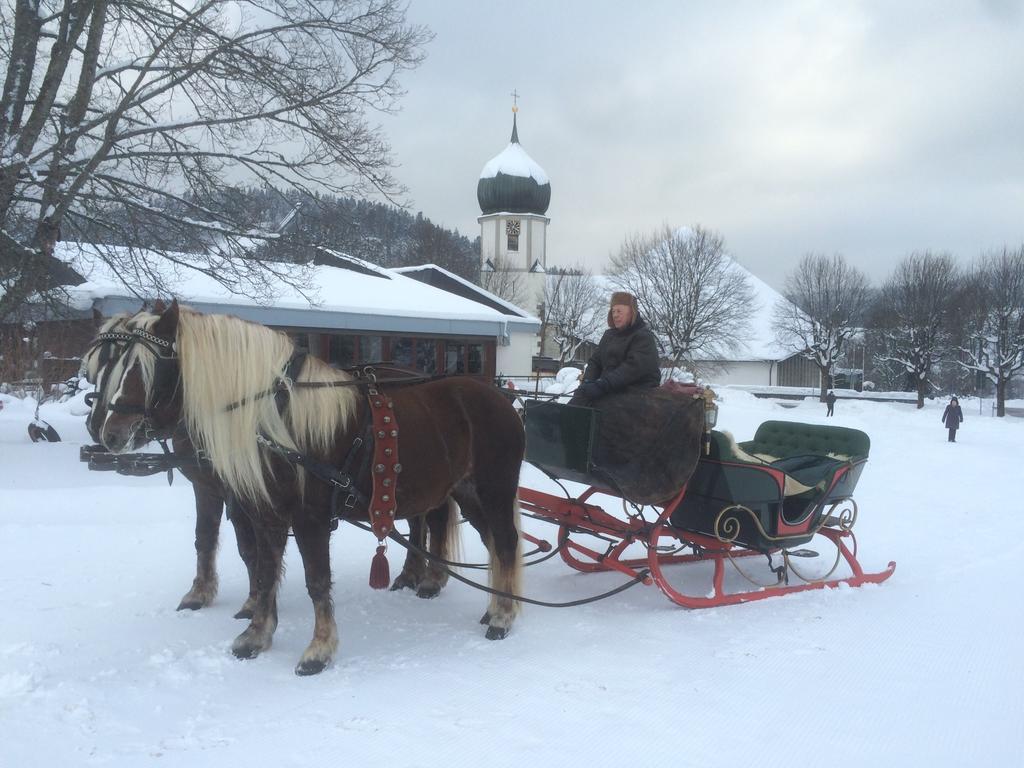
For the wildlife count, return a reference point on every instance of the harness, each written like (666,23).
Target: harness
(381,430)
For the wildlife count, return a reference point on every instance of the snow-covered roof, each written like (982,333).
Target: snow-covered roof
(760,344)
(506,307)
(513,161)
(366,297)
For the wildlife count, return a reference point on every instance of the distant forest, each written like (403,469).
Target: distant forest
(376,232)
(380,233)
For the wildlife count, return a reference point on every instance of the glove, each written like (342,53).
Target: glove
(591,390)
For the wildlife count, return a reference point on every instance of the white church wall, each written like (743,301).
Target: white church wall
(536,240)
(532,240)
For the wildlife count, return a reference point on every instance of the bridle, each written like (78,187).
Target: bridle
(107,343)
(166,370)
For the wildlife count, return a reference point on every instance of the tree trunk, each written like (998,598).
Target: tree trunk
(824,375)
(1001,397)
(922,385)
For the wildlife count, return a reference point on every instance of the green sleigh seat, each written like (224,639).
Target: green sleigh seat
(789,476)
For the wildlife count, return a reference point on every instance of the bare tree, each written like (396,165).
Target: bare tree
(573,309)
(825,299)
(115,112)
(915,305)
(993,302)
(691,293)
(506,282)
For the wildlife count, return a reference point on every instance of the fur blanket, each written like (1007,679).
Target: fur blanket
(648,443)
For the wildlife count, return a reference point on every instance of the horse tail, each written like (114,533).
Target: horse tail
(453,537)
(517,569)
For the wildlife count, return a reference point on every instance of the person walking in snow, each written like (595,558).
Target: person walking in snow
(830,401)
(626,357)
(952,417)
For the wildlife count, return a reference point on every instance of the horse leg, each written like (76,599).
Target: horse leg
(270,544)
(245,538)
(414,566)
(495,516)
(442,522)
(209,506)
(313,538)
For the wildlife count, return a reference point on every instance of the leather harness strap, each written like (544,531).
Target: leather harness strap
(386,466)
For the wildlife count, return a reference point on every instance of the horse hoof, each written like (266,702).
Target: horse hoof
(311,667)
(496,633)
(428,593)
(486,618)
(243,613)
(190,605)
(245,651)
(404,582)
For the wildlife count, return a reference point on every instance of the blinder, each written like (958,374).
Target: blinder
(165,372)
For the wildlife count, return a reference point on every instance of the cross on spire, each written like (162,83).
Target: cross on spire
(515,100)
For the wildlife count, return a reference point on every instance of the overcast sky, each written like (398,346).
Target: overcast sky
(867,128)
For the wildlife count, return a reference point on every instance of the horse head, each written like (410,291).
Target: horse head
(141,396)
(97,363)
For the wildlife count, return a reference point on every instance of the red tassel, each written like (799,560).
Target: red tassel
(380,573)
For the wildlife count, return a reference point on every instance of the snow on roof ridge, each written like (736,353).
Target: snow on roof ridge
(519,311)
(514,161)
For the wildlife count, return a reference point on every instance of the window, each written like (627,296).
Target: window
(341,351)
(426,356)
(301,341)
(454,354)
(419,354)
(370,349)
(512,233)
(475,355)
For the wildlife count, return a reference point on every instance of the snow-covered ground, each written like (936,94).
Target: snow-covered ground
(97,667)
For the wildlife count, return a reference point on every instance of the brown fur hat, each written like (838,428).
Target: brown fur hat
(624,298)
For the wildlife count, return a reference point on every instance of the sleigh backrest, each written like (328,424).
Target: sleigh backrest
(776,440)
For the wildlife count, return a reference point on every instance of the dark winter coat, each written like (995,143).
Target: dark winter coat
(952,416)
(625,359)
(830,398)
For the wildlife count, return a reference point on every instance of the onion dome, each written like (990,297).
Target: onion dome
(512,182)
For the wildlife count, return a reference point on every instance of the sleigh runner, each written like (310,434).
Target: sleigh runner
(790,485)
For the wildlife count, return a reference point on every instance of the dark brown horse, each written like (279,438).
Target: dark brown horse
(459,440)
(434,534)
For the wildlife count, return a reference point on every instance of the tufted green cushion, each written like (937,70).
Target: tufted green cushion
(780,439)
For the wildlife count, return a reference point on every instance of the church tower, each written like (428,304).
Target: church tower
(514,194)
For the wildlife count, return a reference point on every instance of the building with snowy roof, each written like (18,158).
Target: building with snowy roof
(760,360)
(346,311)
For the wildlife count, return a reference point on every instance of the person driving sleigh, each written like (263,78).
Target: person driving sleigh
(626,357)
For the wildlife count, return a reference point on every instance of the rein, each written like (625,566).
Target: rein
(404,542)
(365,377)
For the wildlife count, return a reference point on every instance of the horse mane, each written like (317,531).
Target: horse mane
(226,360)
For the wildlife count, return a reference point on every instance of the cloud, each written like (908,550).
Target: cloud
(871,128)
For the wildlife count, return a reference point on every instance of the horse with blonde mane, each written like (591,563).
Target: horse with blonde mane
(99,362)
(247,399)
